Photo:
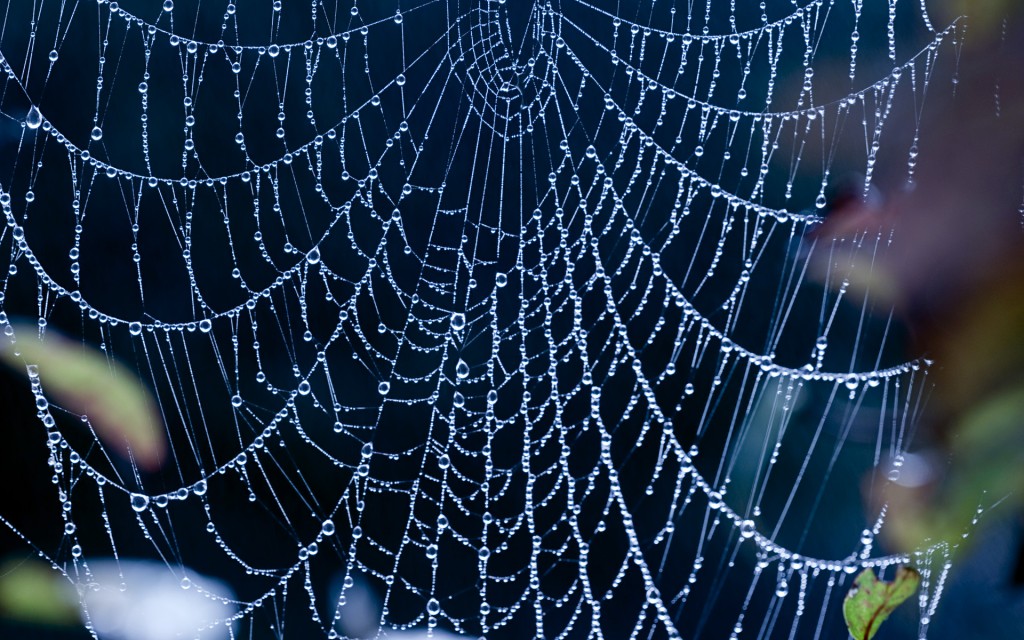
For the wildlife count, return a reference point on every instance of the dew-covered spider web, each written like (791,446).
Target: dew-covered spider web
(505,311)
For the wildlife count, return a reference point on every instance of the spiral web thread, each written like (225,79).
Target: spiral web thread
(502,308)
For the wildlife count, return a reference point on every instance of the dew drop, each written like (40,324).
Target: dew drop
(34,119)
(140,502)
(747,529)
(433,607)
(782,589)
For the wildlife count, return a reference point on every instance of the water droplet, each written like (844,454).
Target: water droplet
(431,551)
(135,328)
(462,369)
(236,401)
(501,280)
(96,133)
(433,607)
(205,325)
(782,589)
(383,388)
(34,119)
(458,321)
(747,529)
(199,488)
(304,388)
(328,527)
(313,257)
(168,5)
(140,502)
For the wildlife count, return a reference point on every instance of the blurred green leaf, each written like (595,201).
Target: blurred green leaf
(870,601)
(987,467)
(985,15)
(86,381)
(31,591)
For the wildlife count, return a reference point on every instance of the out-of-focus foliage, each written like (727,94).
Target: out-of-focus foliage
(31,591)
(85,381)
(947,251)
(985,15)
(871,600)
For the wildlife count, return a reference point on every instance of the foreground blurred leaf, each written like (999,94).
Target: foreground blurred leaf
(985,15)
(977,418)
(31,591)
(988,468)
(85,381)
(870,601)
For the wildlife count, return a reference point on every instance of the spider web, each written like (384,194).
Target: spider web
(502,308)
